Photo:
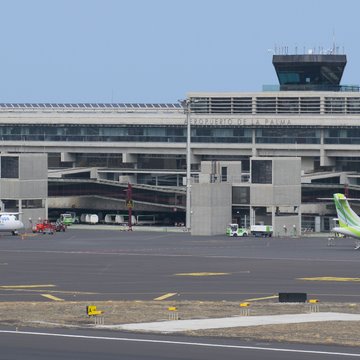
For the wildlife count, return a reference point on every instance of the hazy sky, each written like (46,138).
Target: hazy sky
(159,50)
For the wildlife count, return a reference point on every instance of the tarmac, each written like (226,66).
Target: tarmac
(172,326)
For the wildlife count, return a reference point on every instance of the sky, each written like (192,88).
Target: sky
(157,51)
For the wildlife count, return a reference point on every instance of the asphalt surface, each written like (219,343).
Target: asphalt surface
(30,345)
(117,265)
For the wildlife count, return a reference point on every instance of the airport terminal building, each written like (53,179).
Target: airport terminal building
(95,150)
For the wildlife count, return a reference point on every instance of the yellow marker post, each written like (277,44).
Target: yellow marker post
(173,313)
(92,311)
(314,305)
(245,309)
(244,304)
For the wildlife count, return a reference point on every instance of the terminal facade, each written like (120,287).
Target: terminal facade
(95,150)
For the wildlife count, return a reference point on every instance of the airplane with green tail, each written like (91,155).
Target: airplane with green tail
(349,221)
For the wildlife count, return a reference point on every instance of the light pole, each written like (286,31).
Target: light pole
(186,106)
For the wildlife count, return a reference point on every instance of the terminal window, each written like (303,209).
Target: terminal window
(9,167)
(261,171)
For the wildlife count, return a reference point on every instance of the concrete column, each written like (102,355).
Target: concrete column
(253,144)
(20,209)
(252,216)
(275,231)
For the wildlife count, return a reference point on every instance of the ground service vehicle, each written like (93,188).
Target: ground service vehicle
(235,230)
(44,227)
(59,226)
(261,230)
(69,218)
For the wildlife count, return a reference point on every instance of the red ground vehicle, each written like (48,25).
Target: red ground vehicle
(44,227)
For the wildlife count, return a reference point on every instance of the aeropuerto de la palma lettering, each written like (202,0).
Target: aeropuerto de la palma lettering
(240,121)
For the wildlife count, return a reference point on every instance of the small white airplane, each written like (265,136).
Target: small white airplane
(10,223)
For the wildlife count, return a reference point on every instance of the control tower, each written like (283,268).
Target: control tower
(310,72)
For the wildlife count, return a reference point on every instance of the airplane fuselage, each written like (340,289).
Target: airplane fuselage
(9,223)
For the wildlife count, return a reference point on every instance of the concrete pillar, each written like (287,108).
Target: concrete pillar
(252,216)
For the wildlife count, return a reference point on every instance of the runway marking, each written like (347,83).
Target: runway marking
(202,274)
(52,297)
(166,296)
(25,235)
(330,278)
(263,298)
(25,286)
(186,343)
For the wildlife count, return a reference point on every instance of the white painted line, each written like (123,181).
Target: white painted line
(52,297)
(179,343)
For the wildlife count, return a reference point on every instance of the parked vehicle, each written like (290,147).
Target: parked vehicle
(69,218)
(44,227)
(234,230)
(59,226)
(145,220)
(261,230)
(119,219)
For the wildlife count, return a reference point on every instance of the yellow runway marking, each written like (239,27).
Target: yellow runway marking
(51,297)
(263,298)
(202,274)
(329,278)
(166,296)
(25,286)
(24,236)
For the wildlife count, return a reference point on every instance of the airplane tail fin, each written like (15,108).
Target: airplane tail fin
(346,216)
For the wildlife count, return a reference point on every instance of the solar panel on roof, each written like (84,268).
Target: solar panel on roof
(142,105)
(101,105)
(121,105)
